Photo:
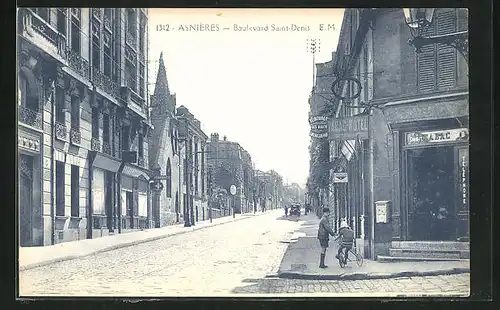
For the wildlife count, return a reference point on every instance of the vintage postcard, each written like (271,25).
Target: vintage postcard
(243,152)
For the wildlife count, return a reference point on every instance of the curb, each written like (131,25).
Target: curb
(366,276)
(124,245)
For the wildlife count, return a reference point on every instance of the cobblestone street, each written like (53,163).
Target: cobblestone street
(456,285)
(211,261)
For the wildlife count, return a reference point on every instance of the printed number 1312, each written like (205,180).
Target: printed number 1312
(163,27)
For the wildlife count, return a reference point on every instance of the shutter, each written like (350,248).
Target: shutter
(463,19)
(446,55)
(426,61)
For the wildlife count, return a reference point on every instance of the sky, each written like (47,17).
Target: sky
(251,86)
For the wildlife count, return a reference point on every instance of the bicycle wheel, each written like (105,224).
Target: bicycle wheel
(341,260)
(359,259)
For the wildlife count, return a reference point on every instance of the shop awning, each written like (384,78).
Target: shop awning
(135,172)
(349,149)
(105,162)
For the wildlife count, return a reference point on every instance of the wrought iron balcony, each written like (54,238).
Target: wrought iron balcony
(106,148)
(105,83)
(30,117)
(96,12)
(95,144)
(75,136)
(61,131)
(140,161)
(77,62)
(31,21)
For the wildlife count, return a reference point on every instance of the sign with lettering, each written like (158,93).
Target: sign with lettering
(432,137)
(348,128)
(340,177)
(463,155)
(319,126)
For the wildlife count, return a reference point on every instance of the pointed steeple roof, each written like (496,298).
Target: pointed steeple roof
(161,86)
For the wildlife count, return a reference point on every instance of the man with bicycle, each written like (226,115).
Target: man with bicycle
(347,239)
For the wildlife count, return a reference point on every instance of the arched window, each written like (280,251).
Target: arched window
(169,179)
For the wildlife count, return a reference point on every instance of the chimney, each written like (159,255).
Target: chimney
(225,138)
(214,137)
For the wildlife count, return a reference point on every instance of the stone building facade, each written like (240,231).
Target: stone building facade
(165,157)
(81,102)
(231,164)
(419,131)
(193,166)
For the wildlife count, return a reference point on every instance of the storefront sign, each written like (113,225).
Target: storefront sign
(319,126)
(348,128)
(464,178)
(431,137)
(340,177)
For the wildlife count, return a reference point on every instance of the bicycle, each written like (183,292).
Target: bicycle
(343,260)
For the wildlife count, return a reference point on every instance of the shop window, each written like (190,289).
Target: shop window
(98,203)
(143,204)
(75,191)
(60,188)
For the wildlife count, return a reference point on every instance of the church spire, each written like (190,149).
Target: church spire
(161,87)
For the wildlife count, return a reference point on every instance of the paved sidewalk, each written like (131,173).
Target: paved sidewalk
(301,261)
(32,257)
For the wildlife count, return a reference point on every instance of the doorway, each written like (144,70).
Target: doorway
(130,208)
(108,199)
(431,189)
(26,200)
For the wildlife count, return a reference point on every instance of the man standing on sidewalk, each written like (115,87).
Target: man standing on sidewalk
(324,231)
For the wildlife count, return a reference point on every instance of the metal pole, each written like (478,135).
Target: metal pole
(372,193)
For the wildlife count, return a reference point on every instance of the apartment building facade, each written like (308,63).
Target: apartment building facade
(83,123)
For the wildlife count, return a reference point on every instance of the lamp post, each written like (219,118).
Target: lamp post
(418,19)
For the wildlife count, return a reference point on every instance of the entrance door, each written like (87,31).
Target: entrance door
(26,200)
(108,199)
(431,205)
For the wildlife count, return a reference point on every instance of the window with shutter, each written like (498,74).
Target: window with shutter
(426,62)
(446,55)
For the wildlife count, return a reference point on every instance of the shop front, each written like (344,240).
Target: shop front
(102,194)
(134,198)
(435,185)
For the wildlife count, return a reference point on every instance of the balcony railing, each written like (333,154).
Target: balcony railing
(106,148)
(75,136)
(95,144)
(30,117)
(31,22)
(140,161)
(77,62)
(61,131)
(106,83)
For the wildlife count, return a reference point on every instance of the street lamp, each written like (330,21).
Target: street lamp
(418,19)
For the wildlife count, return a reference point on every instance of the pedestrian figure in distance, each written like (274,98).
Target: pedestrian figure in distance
(324,231)
(347,235)
(286,210)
